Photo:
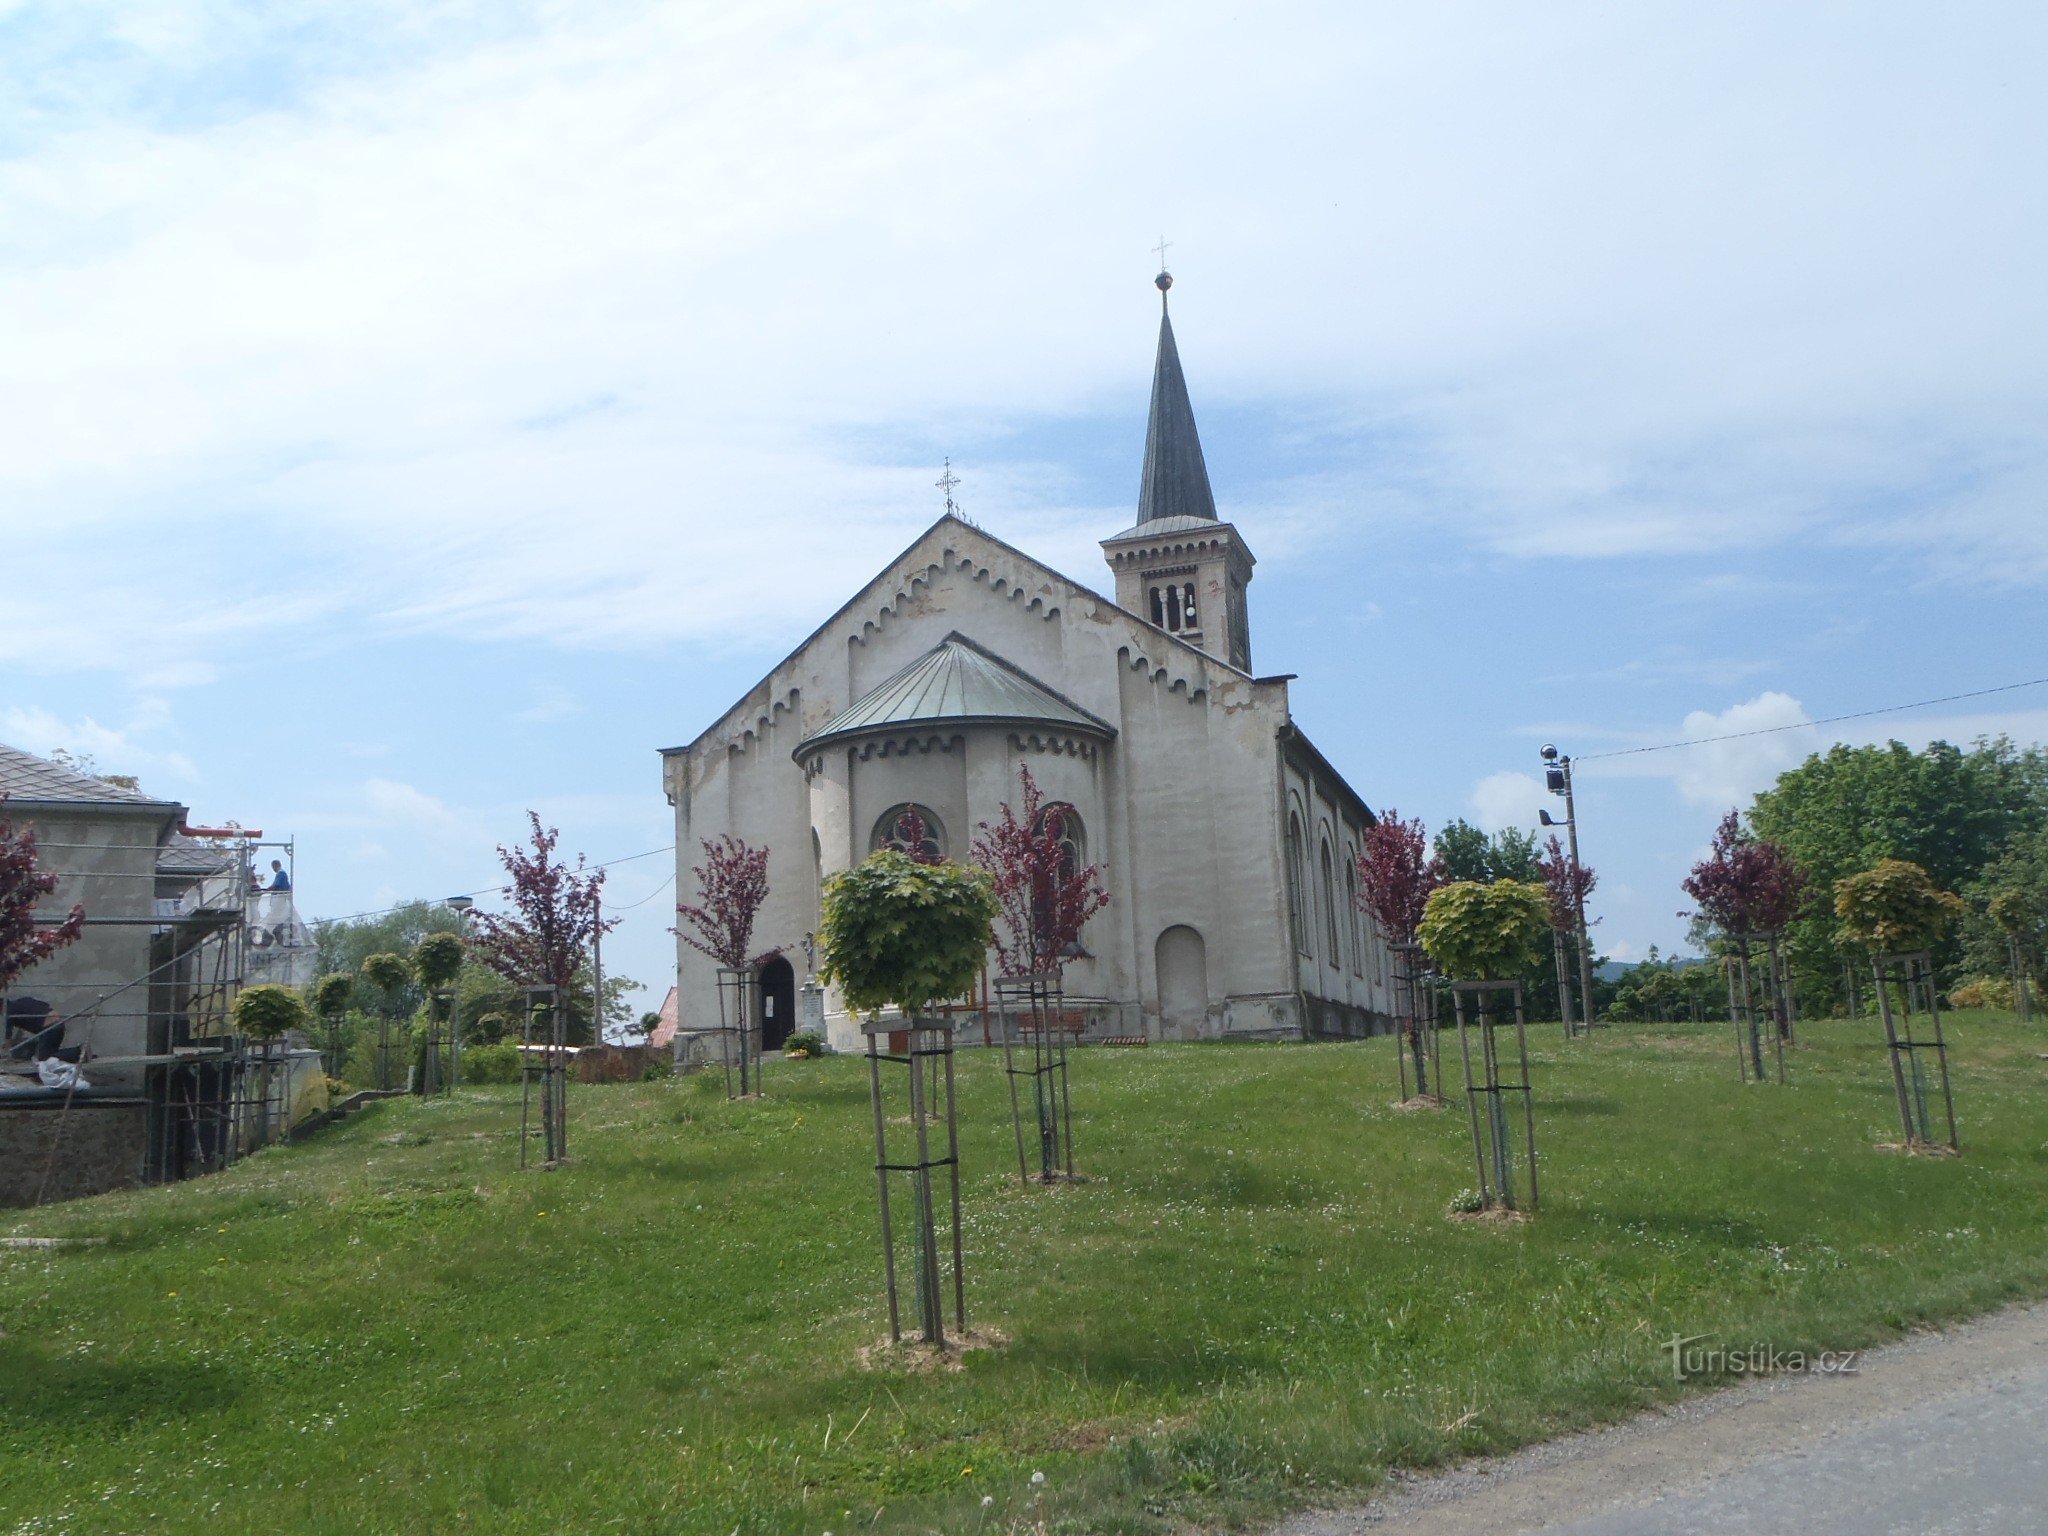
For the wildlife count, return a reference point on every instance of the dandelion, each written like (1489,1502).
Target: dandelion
(987,1499)
(1038,1479)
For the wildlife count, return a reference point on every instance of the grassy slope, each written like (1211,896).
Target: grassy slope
(390,1329)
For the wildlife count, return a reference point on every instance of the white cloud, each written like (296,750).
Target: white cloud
(572,323)
(112,749)
(1770,732)
(1508,800)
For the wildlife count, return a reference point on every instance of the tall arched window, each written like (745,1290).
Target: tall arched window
(1158,608)
(1187,607)
(1073,856)
(912,829)
(1297,885)
(1073,840)
(1334,954)
(1355,920)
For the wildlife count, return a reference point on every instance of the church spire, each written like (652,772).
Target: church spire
(1176,481)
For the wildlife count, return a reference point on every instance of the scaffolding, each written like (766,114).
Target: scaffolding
(161,1036)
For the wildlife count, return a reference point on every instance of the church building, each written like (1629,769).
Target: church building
(1227,842)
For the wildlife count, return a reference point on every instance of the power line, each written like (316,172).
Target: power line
(629,906)
(1801,725)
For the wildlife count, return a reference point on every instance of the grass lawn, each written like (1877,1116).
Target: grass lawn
(1258,1303)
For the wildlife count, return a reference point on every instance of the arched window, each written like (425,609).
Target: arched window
(1356,926)
(1073,856)
(1158,609)
(911,829)
(1297,886)
(1330,930)
(1172,606)
(1187,607)
(1073,840)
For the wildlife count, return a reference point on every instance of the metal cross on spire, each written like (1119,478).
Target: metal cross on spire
(1161,249)
(1164,280)
(946,482)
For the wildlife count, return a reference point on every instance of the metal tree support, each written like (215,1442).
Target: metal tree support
(1781,986)
(1487,1091)
(1748,1016)
(929,1042)
(1419,1042)
(1030,1006)
(440,1016)
(736,1029)
(1913,972)
(1564,984)
(545,1004)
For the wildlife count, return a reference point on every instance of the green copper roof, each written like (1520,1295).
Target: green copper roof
(956,683)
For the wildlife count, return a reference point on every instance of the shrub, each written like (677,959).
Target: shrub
(491,1063)
(1480,932)
(805,1043)
(1983,992)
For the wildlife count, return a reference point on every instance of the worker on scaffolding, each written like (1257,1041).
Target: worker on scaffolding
(279,879)
(30,1036)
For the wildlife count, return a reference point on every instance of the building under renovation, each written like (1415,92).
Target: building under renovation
(119,1065)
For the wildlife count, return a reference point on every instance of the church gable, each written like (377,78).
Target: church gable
(950,560)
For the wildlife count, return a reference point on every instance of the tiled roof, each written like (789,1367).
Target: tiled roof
(24,776)
(182,855)
(959,683)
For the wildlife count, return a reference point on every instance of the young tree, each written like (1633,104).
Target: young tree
(1567,883)
(330,998)
(437,960)
(24,882)
(545,939)
(1043,899)
(267,1014)
(899,932)
(391,975)
(733,880)
(1748,887)
(1894,906)
(1490,932)
(1396,874)
(1747,884)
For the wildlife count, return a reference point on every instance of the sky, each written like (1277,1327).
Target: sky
(415,413)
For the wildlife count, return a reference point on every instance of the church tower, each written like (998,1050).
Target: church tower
(1178,565)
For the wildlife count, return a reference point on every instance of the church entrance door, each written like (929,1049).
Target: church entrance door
(1183,966)
(777,992)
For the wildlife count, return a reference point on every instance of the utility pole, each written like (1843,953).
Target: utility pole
(1557,778)
(597,973)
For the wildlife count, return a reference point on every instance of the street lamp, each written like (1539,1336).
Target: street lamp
(1557,778)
